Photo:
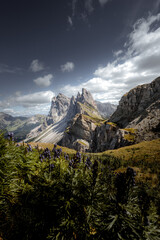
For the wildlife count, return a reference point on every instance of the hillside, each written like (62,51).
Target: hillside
(48,194)
(20,126)
(147,150)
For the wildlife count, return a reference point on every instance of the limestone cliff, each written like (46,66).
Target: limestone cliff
(78,133)
(66,113)
(140,109)
(110,136)
(59,107)
(136,119)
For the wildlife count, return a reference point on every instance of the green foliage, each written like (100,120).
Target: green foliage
(50,199)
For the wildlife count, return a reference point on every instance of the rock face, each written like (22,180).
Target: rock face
(136,119)
(140,109)
(106,109)
(78,134)
(135,102)
(70,114)
(148,123)
(53,126)
(110,136)
(86,98)
(59,107)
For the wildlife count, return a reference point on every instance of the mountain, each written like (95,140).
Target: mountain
(110,136)
(69,122)
(78,134)
(136,119)
(59,107)
(106,109)
(140,109)
(20,126)
(78,122)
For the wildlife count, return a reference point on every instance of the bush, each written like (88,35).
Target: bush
(44,195)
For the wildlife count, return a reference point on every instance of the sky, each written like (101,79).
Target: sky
(61,46)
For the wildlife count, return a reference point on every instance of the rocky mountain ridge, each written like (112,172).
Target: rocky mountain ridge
(77,122)
(64,113)
(140,109)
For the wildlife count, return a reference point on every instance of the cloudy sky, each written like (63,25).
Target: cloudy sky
(47,47)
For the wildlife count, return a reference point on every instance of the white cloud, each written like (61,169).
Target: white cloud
(36,66)
(44,81)
(28,104)
(70,21)
(103,2)
(67,67)
(18,93)
(34,99)
(9,111)
(117,53)
(137,63)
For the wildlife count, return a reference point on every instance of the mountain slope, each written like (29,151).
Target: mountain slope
(20,126)
(68,121)
(78,134)
(106,109)
(136,119)
(140,109)
(77,123)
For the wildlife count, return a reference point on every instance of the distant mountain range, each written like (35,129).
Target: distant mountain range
(106,109)
(21,126)
(87,125)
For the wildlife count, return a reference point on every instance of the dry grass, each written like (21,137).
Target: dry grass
(147,150)
(50,147)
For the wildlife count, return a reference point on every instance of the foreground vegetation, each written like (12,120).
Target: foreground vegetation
(49,194)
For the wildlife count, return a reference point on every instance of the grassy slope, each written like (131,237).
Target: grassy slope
(144,157)
(50,146)
(147,150)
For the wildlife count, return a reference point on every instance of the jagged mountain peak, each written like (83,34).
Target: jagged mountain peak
(59,107)
(86,98)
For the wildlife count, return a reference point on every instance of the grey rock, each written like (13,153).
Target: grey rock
(86,98)
(109,136)
(106,109)
(59,107)
(134,104)
(81,127)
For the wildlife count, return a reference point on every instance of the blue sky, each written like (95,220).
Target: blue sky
(47,47)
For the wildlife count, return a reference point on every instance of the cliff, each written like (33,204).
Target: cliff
(140,109)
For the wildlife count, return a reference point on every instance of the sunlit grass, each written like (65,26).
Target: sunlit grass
(147,150)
